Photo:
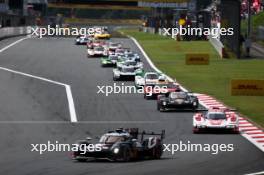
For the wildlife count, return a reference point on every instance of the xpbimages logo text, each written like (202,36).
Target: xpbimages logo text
(191,31)
(149,90)
(63,31)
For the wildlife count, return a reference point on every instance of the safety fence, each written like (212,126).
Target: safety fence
(6,32)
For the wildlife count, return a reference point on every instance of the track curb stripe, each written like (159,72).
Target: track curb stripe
(206,101)
(247,129)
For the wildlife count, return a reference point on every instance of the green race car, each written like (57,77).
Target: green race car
(109,61)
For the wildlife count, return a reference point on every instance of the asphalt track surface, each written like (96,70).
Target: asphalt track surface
(41,111)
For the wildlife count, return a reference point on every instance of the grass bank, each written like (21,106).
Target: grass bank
(213,79)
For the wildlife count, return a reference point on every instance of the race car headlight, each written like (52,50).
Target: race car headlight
(164,103)
(116,150)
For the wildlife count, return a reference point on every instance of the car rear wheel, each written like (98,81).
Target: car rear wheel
(126,155)
(157,152)
(160,108)
(196,130)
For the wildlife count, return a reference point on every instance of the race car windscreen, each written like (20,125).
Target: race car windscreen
(216,116)
(111,139)
(113,57)
(131,63)
(99,49)
(152,76)
(178,95)
(128,69)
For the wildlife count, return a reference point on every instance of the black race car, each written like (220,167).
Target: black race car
(177,100)
(123,145)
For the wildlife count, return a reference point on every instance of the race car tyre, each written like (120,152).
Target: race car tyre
(196,130)
(81,160)
(114,78)
(160,108)
(126,155)
(236,130)
(157,152)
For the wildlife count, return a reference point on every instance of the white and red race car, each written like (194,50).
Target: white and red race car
(112,47)
(96,43)
(96,52)
(216,118)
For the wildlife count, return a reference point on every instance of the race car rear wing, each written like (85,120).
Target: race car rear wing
(135,133)
(144,133)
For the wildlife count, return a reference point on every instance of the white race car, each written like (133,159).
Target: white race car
(148,78)
(96,52)
(135,64)
(124,72)
(131,55)
(216,118)
(112,47)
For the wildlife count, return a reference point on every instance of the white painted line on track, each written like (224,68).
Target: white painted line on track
(71,103)
(257,173)
(12,44)
(203,99)
(67,87)
(151,63)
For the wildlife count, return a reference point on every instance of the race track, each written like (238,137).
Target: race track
(36,111)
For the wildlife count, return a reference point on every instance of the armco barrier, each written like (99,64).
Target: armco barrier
(13,31)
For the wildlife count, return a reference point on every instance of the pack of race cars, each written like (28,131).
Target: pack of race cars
(128,66)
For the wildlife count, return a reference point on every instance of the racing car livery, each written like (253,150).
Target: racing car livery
(96,43)
(103,35)
(177,100)
(112,47)
(152,91)
(96,51)
(216,118)
(124,145)
(148,78)
(131,55)
(81,40)
(109,61)
(125,72)
(130,62)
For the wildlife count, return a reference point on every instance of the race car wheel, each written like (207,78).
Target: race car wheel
(126,155)
(236,130)
(114,78)
(195,130)
(81,160)
(157,152)
(160,108)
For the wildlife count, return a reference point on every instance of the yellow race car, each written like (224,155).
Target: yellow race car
(103,35)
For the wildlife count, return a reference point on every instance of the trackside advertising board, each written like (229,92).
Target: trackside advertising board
(247,87)
(197,59)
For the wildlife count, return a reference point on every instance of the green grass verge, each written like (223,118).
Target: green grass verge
(214,79)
